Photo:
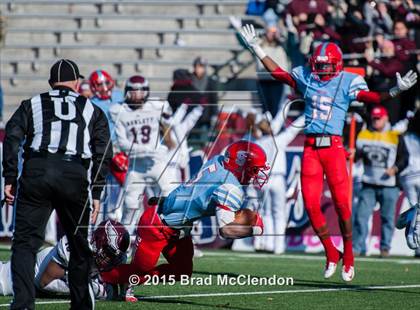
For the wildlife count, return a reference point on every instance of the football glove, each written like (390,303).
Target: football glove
(403,83)
(251,39)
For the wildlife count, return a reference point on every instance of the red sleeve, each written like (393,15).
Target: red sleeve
(369,97)
(284,77)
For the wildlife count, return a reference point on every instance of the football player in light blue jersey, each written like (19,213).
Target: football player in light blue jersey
(215,191)
(327,91)
(105,95)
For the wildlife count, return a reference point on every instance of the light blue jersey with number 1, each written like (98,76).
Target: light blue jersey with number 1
(213,186)
(327,102)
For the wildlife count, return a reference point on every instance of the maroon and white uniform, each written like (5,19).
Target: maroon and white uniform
(139,136)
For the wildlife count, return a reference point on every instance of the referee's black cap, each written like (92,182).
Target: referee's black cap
(64,70)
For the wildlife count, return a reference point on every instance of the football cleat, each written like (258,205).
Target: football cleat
(331,266)
(330,269)
(347,273)
(127,293)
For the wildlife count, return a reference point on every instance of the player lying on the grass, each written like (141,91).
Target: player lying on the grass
(110,242)
(216,191)
(327,91)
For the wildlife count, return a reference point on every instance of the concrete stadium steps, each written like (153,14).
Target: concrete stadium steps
(202,7)
(103,37)
(121,51)
(125,69)
(125,37)
(117,20)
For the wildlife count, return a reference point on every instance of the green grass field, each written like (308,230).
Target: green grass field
(392,283)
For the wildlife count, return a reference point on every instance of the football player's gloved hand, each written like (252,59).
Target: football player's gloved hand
(412,231)
(403,83)
(258,227)
(251,39)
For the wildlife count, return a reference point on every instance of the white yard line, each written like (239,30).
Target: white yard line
(44,302)
(310,257)
(321,290)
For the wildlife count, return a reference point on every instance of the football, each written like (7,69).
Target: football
(245,217)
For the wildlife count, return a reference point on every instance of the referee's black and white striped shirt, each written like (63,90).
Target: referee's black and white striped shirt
(58,121)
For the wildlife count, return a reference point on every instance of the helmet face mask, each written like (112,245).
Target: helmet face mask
(136,91)
(259,176)
(110,242)
(247,162)
(327,61)
(107,258)
(101,84)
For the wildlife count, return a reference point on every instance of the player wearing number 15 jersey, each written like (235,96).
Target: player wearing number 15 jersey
(327,91)
(143,136)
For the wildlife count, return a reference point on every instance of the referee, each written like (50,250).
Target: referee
(63,134)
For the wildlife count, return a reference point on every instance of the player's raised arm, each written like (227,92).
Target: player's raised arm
(403,83)
(250,37)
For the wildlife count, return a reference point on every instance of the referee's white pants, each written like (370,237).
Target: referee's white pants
(146,176)
(275,215)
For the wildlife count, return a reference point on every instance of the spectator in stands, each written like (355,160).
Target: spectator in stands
(377,16)
(404,48)
(353,28)
(299,8)
(317,25)
(384,155)
(84,89)
(182,90)
(403,45)
(382,75)
(269,90)
(206,90)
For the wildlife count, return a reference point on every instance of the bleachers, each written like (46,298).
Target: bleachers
(123,37)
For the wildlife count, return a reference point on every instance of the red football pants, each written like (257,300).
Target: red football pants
(330,161)
(154,238)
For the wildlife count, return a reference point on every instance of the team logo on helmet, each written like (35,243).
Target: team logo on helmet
(241,158)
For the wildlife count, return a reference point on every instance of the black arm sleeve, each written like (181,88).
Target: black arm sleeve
(101,147)
(16,130)
(402,155)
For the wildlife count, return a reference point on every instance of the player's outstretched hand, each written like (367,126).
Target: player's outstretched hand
(249,35)
(406,82)
(403,83)
(251,39)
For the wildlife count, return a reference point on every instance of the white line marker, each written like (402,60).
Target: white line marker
(312,257)
(321,290)
(43,302)
(325,290)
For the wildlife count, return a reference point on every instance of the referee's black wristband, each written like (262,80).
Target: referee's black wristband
(10,180)
(96,193)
